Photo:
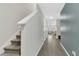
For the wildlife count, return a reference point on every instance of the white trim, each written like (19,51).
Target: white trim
(40,47)
(64,49)
(45,34)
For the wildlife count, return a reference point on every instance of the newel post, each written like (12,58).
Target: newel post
(20,28)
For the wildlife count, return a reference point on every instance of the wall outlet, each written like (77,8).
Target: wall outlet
(73,53)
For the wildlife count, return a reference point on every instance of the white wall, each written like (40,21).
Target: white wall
(10,14)
(32,35)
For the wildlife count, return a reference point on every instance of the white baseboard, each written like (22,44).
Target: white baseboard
(43,38)
(64,49)
(40,48)
(7,43)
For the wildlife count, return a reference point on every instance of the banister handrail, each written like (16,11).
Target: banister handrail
(26,19)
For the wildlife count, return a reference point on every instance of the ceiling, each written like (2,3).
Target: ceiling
(51,9)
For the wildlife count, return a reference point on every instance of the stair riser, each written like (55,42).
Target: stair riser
(8,51)
(15,43)
(18,36)
(12,50)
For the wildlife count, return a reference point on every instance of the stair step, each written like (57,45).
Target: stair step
(10,54)
(15,48)
(18,36)
(16,42)
(12,49)
(19,32)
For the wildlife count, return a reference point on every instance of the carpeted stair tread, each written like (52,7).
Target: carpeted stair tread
(16,42)
(10,54)
(12,47)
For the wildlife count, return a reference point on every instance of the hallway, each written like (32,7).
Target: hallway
(51,47)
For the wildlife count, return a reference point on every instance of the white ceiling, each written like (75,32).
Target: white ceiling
(51,9)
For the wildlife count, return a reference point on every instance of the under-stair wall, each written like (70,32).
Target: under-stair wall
(32,35)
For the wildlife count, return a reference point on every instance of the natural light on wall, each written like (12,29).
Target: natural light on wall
(65,17)
(64,28)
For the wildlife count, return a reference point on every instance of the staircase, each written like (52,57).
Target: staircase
(14,49)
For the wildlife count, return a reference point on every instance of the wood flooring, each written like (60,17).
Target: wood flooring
(51,47)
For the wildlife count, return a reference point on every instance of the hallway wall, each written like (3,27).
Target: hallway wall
(70,36)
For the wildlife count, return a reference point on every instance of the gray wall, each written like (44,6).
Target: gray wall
(70,37)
